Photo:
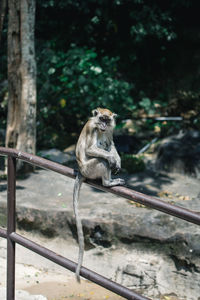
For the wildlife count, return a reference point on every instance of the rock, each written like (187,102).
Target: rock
(70,150)
(154,275)
(180,153)
(57,156)
(21,295)
(162,252)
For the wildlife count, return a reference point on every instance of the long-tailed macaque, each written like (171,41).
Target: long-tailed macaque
(97,157)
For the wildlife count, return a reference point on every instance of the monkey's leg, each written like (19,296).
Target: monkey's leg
(112,182)
(94,168)
(99,168)
(107,179)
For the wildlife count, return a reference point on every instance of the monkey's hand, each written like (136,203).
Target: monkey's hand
(112,162)
(116,170)
(115,165)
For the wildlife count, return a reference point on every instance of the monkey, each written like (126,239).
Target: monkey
(97,157)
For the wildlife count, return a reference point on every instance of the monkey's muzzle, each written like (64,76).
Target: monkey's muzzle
(103,126)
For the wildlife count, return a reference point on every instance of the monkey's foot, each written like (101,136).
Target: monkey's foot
(113,182)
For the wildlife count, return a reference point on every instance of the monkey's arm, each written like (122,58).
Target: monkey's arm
(117,158)
(94,151)
(115,153)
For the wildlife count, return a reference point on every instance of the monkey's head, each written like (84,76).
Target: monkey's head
(104,119)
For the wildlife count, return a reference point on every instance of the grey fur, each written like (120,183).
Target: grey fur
(97,157)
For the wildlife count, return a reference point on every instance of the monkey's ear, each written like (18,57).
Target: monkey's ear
(95,112)
(115,116)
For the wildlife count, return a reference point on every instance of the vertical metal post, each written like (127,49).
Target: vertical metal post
(11,226)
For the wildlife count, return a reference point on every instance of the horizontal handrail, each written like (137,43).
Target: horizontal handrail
(38,161)
(122,191)
(3,233)
(12,237)
(70,265)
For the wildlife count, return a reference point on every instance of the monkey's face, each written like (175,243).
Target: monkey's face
(104,123)
(104,119)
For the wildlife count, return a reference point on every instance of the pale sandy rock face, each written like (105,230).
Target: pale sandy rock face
(21,295)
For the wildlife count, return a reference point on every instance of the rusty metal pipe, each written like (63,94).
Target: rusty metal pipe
(12,237)
(3,233)
(70,265)
(11,226)
(38,161)
(174,210)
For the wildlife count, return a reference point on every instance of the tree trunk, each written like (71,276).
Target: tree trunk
(27,128)
(3,4)
(14,78)
(21,122)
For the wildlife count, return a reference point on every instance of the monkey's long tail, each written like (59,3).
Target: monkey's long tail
(78,182)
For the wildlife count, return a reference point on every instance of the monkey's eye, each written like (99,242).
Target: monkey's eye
(104,120)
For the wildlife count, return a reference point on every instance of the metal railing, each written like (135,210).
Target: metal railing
(13,238)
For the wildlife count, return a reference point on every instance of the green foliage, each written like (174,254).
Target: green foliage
(132,163)
(107,53)
(146,104)
(86,83)
(77,82)
(157,23)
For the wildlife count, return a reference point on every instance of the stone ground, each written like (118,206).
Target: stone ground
(37,276)
(44,202)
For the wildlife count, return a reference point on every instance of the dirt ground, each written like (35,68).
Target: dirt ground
(37,276)
(72,290)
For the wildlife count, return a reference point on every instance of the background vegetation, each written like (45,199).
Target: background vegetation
(139,58)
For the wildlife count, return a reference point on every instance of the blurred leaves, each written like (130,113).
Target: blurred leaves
(139,58)
(133,163)
(79,81)
(118,54)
